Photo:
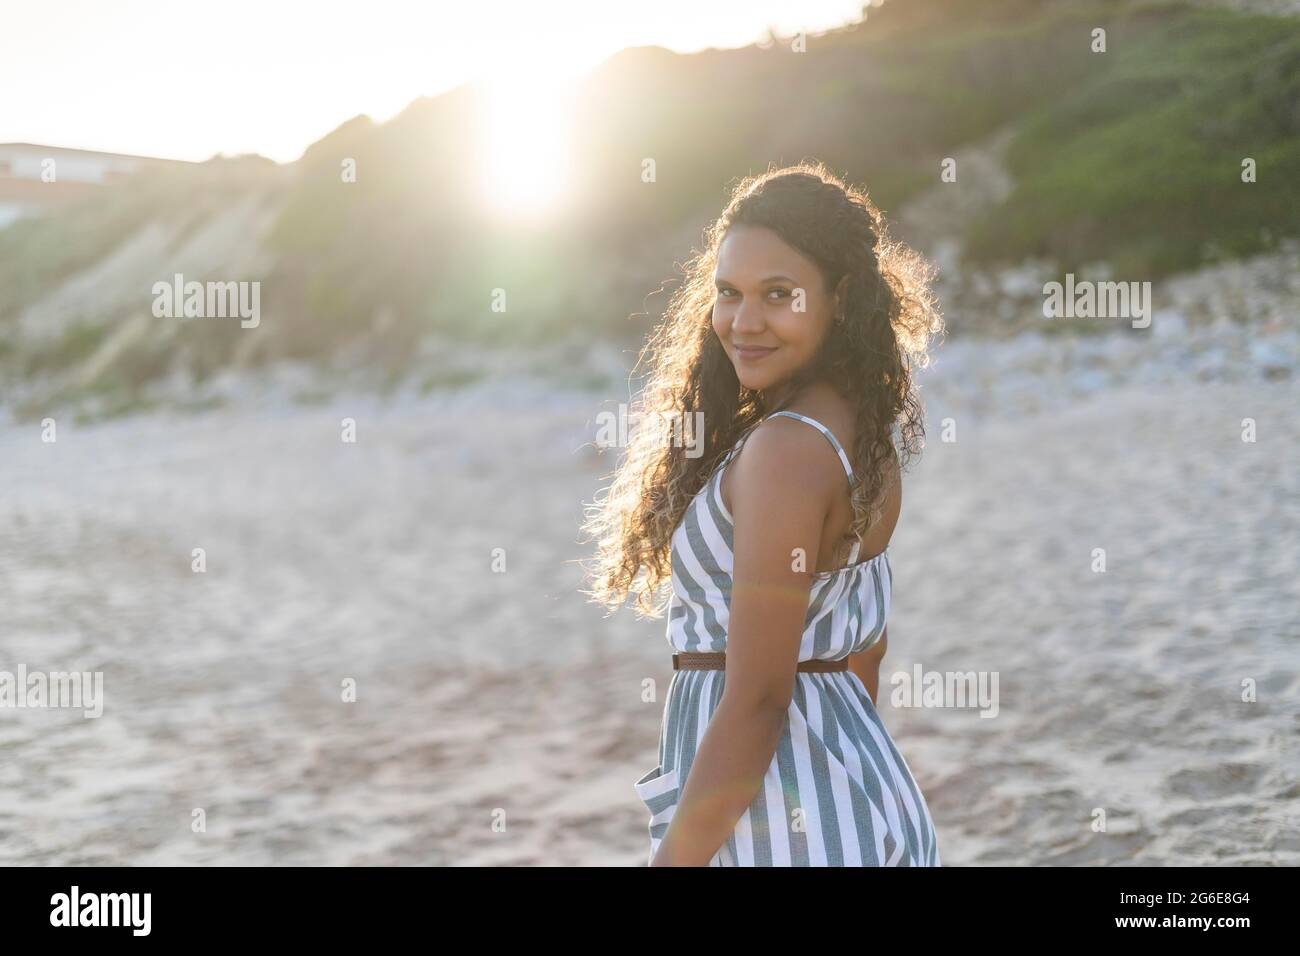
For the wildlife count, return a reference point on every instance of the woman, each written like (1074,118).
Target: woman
(794,335)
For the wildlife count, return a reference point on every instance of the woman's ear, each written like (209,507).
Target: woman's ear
(841,289)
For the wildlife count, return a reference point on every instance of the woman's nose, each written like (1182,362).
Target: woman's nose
(748,318)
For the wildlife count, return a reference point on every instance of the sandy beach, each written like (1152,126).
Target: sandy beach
(499,717)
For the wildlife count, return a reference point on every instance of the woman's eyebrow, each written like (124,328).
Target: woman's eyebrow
(778,278)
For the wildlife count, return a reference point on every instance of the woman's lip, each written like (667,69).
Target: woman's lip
(753,352)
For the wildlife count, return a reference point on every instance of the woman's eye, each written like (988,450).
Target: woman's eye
(728,292)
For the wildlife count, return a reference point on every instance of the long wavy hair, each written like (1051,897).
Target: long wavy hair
(889,320)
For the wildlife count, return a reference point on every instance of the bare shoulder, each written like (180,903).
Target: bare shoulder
(826,405)
(785,456)
(783,490)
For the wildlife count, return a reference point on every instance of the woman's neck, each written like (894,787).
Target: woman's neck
(784,391)
(773,398)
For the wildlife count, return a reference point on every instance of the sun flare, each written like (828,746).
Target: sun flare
(528,132)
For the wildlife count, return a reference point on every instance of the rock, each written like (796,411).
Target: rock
(1168,324)
(1275,357)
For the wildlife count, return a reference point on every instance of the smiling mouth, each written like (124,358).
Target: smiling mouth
(751,352)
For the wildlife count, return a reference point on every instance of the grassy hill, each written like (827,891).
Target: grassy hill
(1131,156)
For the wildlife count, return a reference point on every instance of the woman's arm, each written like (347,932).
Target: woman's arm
(866,664)
(782,489)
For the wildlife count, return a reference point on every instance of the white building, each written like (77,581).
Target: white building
(36,178)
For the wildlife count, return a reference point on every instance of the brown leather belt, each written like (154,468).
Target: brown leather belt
(717,660)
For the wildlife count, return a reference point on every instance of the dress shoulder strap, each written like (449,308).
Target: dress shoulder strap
(839,450)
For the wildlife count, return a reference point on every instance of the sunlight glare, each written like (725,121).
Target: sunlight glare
(528,138)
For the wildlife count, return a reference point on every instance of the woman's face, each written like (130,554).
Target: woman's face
(771,310)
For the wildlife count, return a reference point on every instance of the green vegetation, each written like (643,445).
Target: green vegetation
(1132,157)
(1140,164)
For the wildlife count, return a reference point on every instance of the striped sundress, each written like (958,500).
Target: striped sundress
(837,792)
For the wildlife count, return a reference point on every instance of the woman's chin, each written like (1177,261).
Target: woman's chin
(750,380)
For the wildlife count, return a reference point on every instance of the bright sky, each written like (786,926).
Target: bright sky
(187,79)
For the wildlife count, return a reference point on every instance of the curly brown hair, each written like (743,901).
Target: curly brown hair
(890,316)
